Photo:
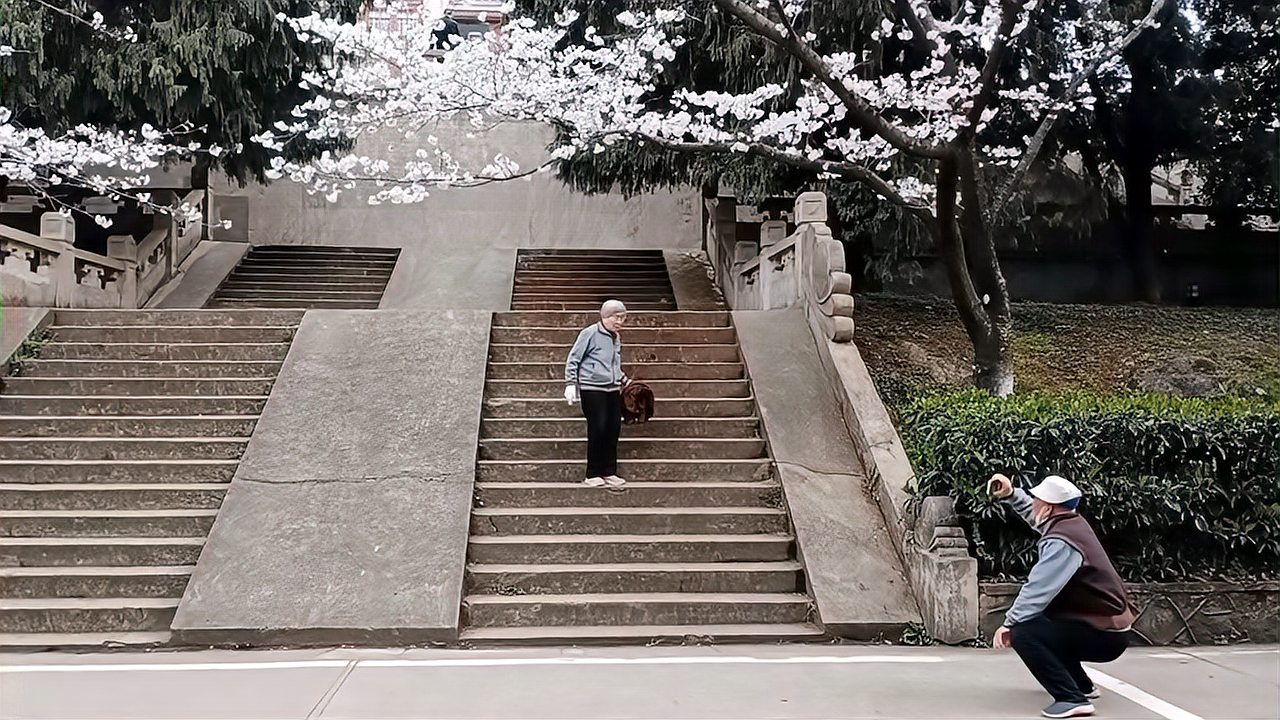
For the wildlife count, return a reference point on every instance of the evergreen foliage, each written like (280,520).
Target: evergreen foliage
(228,69)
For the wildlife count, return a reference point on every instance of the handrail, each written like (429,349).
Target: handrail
(56,247)
(804,268)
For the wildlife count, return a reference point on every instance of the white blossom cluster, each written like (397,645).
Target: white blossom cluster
(596,93)
(105,162)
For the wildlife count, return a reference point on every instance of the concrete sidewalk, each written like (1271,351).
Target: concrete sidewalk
(738,682)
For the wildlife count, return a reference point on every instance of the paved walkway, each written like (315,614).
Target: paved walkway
(742,683)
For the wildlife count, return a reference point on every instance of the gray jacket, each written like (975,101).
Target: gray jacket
(595,362)
(1058,562)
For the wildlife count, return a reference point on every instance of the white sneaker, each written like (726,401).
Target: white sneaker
(614,481)
(594,482)
(1093,694)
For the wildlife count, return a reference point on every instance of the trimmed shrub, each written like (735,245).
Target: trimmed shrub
(1177,489)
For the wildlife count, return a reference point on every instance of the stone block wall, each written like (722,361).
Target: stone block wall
(1177,613)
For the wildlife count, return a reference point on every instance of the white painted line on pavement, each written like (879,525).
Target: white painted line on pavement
(175,667)
(1192,653)
(699,660)
(473,662)
(1142,697)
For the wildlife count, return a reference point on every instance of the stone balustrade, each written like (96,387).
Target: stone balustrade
(47,270)
(780,270)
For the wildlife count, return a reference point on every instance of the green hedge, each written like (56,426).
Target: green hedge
(1178,489)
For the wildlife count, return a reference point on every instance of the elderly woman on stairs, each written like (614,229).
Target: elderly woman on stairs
(593,376)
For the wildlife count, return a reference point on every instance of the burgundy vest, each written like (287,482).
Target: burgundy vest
(1095,594)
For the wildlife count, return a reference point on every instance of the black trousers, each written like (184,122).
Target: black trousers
(603,411)
(1053,649)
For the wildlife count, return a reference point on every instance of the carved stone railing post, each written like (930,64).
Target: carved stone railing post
(827,288)
(62,272)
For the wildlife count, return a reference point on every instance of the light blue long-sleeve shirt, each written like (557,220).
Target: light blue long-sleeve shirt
(1058,561)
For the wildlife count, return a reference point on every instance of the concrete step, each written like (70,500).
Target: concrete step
(628,448)
(160,351)
(82,552)
(172,405)
(106,496)
(204,318)
(540,278)
(593,298)
(307,275)
(285,284)
(556,407)
(689,470)
(627,520)
(128,426)
(303,304)
(639,336)
(633,494)
(661,388)
(117,471)
(83,615)
(68,642)
(655,371)
(631,354)
(590,267)
(322,262)
(154,368)
(138,386)
(106,523)
(231,293)
(581,319)
(517,304)
(109,448)
(541,549)
(638,635)
(295,250)
(94,582)
(575,428)
(655,291)
(636,609)
(769,577)
(203,334)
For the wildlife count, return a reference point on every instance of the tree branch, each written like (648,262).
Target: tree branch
(860,112)
(991,68)
(844,170)
(1051,119)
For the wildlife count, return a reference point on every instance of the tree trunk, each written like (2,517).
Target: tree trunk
(1139,240)
(985,317)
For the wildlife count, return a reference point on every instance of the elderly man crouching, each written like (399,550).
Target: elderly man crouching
(1074,605)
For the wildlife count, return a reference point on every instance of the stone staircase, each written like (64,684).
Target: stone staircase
(697,544)
(116,446)
(583,279)
(308,276)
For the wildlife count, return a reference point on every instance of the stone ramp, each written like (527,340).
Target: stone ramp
(116,447)
(855,572)
(308,276)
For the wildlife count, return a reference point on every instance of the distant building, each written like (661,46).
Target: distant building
(473,17)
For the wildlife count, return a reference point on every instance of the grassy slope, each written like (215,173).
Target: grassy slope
(1102,348)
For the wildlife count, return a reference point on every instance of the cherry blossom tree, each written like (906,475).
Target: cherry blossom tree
(915,129)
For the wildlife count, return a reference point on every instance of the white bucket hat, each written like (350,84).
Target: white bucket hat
(1056,490)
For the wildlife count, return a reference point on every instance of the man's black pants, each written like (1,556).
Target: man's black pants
(603,411)
(1053,649)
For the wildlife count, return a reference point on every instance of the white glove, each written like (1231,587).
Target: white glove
(571,394)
